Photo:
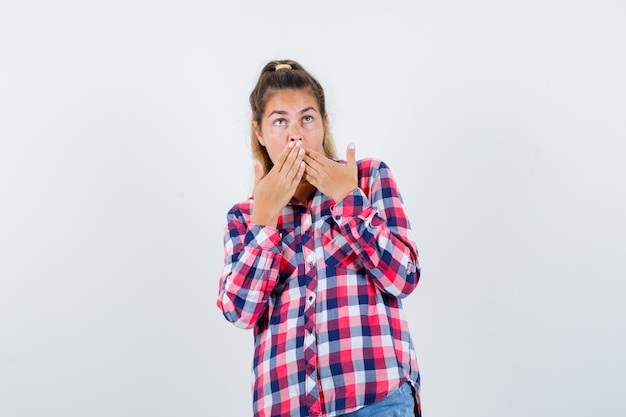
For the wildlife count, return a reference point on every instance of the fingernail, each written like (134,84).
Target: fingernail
(351,145)
(291,144)
(299,143)
(301,152)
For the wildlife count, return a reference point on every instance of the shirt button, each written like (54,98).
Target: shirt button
(311,369)
(337,217)
(311,264)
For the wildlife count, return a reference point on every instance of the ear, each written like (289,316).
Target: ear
(257,131)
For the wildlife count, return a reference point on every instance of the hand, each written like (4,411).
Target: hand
(272,191)
(332,178)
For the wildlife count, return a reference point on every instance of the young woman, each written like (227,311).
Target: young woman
(317,262)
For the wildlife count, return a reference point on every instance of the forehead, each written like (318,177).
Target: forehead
(290,100)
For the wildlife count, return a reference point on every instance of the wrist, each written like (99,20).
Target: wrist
(337,197)
(262,218)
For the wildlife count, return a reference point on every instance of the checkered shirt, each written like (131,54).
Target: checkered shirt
(323,294)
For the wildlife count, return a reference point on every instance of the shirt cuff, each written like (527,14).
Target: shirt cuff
(353,205)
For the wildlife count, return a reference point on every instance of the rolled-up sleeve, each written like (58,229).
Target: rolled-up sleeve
(252,256)
(374,222)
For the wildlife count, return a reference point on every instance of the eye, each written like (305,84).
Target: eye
(280,122)
(307,119)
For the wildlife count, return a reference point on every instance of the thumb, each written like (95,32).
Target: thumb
(258,171)
(351,154)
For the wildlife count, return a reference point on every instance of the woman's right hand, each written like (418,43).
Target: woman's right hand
(272,191)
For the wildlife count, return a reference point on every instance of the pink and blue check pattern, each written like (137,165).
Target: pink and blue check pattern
(323,294)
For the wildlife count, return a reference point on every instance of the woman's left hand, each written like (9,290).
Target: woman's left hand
(334,179)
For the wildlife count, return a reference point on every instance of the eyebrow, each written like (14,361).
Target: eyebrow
(282,112)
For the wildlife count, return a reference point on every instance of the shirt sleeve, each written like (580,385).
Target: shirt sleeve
(378,231)
(252,257)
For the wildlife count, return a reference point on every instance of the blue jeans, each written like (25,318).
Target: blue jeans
(400,403)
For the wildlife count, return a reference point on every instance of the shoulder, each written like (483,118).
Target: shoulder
(375,177)
(241,211)
(371,167)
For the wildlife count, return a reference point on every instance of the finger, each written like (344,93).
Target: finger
(299,173)
(315,160)
(315,155)
(294,166)
(295,150)
(314,172)
(284,155)
(309,177)
(313,168)
(258,171)
(292,162)
(351,154)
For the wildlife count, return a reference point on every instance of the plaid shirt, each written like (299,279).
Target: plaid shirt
(323,294)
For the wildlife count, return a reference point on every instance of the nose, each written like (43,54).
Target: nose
(294,133)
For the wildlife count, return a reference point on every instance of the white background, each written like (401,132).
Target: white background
(124,141)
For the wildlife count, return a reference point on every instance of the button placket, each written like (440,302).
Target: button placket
(310,338)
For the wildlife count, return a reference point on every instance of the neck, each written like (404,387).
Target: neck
(302,192)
